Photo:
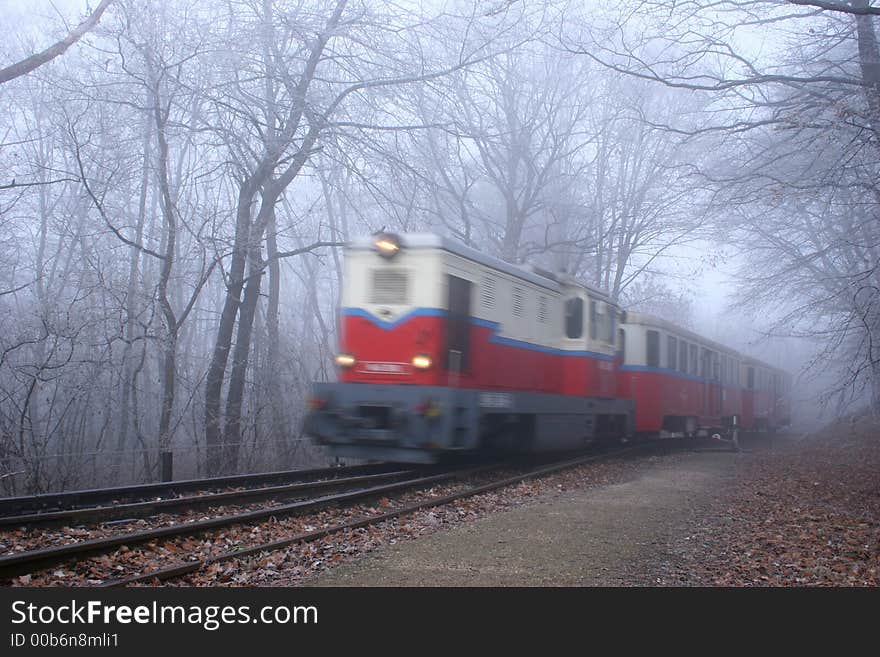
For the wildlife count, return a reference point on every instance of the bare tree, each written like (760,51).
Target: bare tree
(299,103)
(794,180)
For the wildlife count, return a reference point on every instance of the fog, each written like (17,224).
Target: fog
(176,185)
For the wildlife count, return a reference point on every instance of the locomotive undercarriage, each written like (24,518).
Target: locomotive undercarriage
(678,426)
(422,424)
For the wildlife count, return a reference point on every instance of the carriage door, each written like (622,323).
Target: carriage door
(458,327)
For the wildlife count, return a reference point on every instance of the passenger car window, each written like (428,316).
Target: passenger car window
(610,324)
(653,348)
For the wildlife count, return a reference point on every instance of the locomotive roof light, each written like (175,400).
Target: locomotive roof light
(344,360)
(422,361)
(387,244)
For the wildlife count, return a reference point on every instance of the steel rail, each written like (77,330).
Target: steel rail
(139,509)
(70,499)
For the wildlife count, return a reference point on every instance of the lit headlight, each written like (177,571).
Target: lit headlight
(387,244)
(345,360)
(421,362)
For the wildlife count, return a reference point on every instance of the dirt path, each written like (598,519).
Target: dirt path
(611,535)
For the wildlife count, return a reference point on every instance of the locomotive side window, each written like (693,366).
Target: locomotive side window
(609,316)
(750,378)
(694,367)
(594,318)
(390,286)
(574,318)
(653,348)
(671,352)
(683,357)
(458,324)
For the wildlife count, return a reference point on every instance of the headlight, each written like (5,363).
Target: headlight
(316,403)
(387,244)
(345,360)
(421,362)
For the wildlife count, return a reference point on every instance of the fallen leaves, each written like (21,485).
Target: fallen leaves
(807,514)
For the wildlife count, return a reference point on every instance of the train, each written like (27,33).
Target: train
(445,351)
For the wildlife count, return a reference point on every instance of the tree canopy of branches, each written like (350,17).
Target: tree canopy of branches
(175,189)
(795,87)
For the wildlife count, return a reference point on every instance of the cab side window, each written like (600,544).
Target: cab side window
(594,318)
(574,318)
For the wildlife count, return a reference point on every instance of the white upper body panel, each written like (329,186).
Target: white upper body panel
(521,304)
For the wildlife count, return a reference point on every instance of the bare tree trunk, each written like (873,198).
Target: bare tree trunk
(273,348)
(131,306)
(869,58)
(220,356)
(169,355)
(240,356)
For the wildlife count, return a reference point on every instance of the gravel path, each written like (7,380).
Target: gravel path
(609,535)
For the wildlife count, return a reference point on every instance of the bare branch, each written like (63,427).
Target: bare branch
(33,62)
(859,8)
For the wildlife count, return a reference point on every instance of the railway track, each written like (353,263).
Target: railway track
(54,502)
(173,539)
(133,510)
(192,566)
(269,528)
(30,561)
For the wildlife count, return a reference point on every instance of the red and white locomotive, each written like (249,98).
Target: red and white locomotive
(446,350)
